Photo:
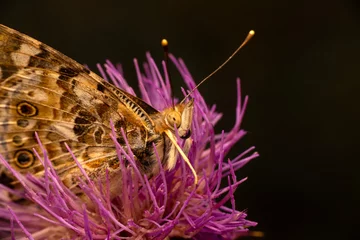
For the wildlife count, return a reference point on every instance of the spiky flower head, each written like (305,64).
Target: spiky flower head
(161,207)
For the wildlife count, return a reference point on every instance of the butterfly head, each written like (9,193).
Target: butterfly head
(180,117)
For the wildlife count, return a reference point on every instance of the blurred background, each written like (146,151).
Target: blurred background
(301,71)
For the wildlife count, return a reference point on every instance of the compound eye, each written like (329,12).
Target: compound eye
(173,118)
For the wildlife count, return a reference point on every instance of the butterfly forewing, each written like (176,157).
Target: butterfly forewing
(43,91)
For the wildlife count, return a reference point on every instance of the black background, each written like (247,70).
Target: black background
(301,72)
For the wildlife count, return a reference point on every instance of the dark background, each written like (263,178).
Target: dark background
(301,72)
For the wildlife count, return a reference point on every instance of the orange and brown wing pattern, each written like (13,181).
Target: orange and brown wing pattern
(43,91)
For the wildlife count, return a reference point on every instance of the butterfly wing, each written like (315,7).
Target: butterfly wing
(43,91)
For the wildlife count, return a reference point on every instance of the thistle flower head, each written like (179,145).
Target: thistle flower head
(159,207)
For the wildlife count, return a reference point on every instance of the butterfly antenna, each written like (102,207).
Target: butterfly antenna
(165,45)
(247,39)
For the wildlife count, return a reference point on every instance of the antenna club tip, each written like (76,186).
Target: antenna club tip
(164,42)
(252,32)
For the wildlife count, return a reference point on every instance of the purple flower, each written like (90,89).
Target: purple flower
(164,206)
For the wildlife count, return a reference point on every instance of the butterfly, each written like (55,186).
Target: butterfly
(43,91)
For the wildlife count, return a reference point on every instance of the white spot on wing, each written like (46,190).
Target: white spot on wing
(65,130)
(22,56)
(85,97)
(19,59)
(29,50)
(39,95)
